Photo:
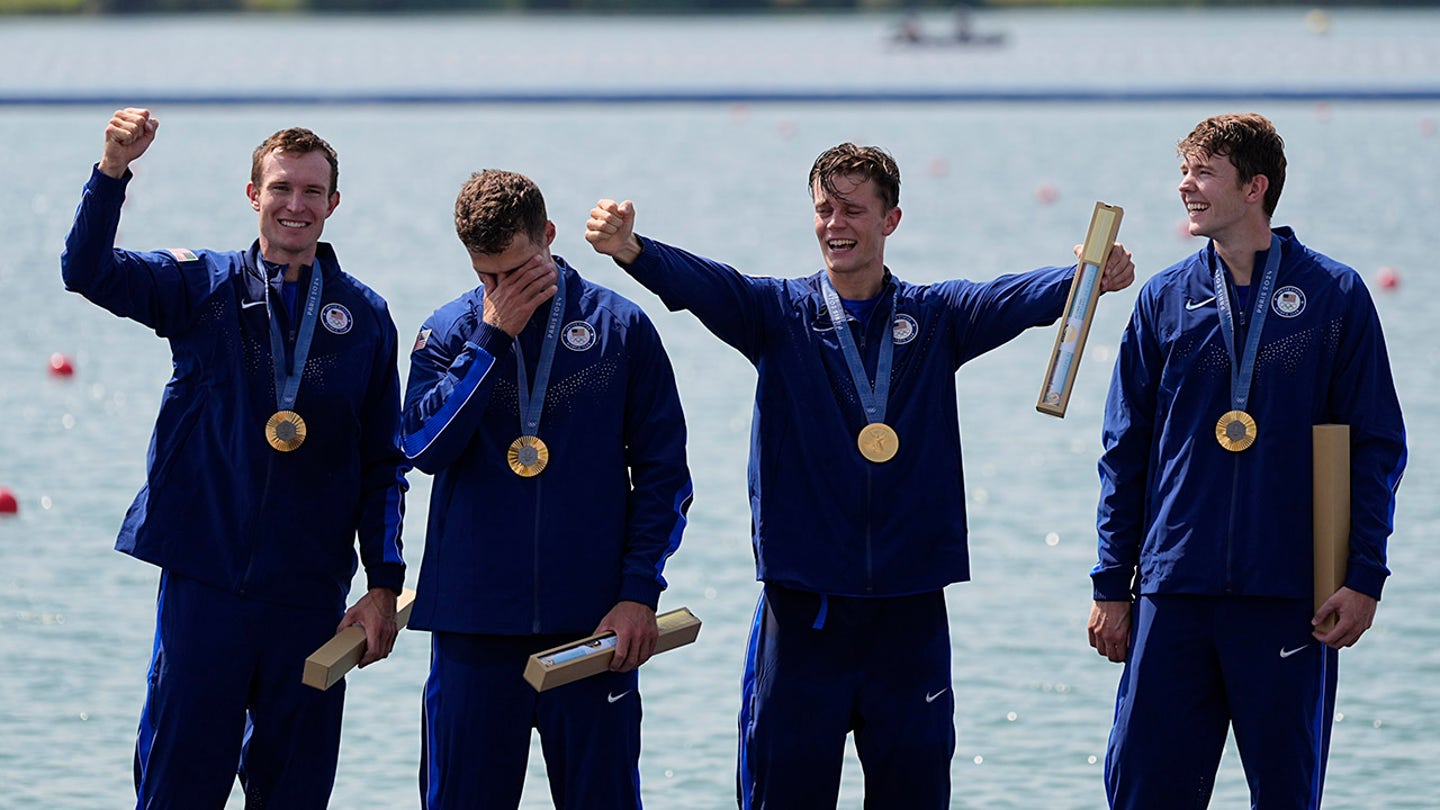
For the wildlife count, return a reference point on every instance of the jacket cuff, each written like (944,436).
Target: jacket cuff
(490,338)
(1365,580)
(1113,586)
(646,257)
(100,180)
(386,575)
(640,589)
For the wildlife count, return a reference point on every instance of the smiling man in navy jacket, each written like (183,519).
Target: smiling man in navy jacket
(856,492)
(1204,586)
(276,445)
(546,408)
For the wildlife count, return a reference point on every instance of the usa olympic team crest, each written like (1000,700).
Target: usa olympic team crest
(337,318)
(1288,302)
(578,336)
(904,329)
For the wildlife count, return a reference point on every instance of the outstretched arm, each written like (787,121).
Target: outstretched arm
(161,289)
(729,303)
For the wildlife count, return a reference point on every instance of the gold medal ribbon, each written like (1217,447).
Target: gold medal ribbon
(877,441)
(527,455)
(285,431)
(1236,430)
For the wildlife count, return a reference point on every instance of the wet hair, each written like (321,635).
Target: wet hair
(295,141)
(866,162)
(494,206)
(1251,144)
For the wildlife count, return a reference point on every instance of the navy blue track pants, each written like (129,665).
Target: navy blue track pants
(1199,665)
(225,697)
(479,712)
(820,667)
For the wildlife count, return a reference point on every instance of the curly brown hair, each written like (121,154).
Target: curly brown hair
(493,206)
(868,162)
(296,141)
(1251,143)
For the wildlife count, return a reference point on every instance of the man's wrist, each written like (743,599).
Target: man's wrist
(114,170)
(633,250)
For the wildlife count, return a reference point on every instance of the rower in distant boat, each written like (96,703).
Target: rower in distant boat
(911,31)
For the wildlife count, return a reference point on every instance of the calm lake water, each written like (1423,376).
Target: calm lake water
(989,187)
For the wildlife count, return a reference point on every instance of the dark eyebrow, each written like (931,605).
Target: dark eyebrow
(282,181)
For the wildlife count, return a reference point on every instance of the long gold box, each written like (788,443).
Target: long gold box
(567,663)
(327,665)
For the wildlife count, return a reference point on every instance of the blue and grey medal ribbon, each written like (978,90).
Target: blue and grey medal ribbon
(877,441)
(1237,430)
(528,455)
(285,431)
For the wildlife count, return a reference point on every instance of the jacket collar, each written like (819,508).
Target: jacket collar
(259,272)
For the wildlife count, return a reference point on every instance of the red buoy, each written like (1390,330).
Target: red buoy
(8,504)
(1046,193)
(60,365)
(1387,277)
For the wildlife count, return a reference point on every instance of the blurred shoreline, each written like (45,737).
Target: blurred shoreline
(642,7)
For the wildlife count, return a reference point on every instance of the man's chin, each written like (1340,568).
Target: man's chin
(296,245)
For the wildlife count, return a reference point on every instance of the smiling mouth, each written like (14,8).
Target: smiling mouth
(1195,207)
(293,223)
(839,245)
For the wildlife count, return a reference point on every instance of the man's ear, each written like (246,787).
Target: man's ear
(1256,188)
(892,220)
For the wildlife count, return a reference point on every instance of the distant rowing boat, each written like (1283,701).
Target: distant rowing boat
(957,41)
(912,32)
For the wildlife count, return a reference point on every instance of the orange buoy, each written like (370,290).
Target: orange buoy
(8,504)
(60,365)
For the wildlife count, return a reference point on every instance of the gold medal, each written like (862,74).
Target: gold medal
(878,442)
(527,456)
(1235,431)
(285,431)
